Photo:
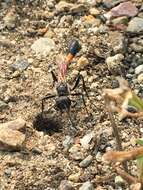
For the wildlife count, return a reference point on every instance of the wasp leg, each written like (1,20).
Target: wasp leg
(45,98)
(54,78)
(78,79)
(83,100)
(73,127)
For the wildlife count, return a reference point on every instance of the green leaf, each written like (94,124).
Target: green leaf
(140,168)
(136,102)
(140,142)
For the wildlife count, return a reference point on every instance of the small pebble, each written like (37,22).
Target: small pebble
(43,46)
(82,63)
(98,157)
(87,186)
(119,180)
(63,6)
(75,177)
(37,150)
(141,130)
(86,162)
(85,141)
(140,78)
(139,69)
(67,142)
(8,172)
(90,79)
(65,185)
(94,11)
(135,25)
(114,63)
(74,73)
(83,73)
(94,85)
(76,152)
(10,19)
(20,64)
(3,105)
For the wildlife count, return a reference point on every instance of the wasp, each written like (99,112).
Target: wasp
(63,90)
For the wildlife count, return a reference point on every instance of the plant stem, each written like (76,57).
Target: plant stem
(113,124)
(130,179)
(115,129)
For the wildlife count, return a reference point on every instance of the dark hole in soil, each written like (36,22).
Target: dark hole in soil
(49,124)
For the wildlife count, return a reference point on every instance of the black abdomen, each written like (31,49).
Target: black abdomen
(63,102)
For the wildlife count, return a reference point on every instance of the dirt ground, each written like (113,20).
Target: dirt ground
(46,162)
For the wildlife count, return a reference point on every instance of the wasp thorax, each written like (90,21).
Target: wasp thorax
(62,89)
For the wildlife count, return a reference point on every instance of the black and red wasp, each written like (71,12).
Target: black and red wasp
(63,90)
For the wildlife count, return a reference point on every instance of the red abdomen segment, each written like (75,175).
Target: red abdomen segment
(74,48)
(62,71)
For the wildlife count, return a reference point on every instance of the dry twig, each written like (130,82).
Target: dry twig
(121,156)
(130,179)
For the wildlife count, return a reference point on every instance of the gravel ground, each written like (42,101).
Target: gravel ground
(54,159)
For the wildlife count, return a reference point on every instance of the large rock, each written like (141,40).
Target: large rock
(124,9)
(135,25)
(10,137)
(15,124)
(43,46)
(4,42)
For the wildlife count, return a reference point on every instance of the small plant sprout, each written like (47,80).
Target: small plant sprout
(118,157)
(122,98)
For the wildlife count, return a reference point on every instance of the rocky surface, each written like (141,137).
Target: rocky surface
(32,35)
(10,136)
